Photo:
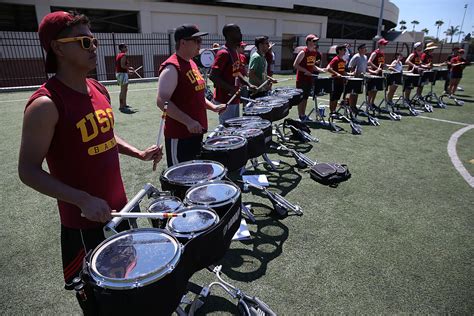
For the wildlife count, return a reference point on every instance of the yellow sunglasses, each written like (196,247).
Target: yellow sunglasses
(86,41)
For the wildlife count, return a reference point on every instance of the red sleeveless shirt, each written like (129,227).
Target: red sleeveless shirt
(308,62)
(188,96)
(83,152)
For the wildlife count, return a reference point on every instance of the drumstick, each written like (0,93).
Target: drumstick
(148,215)
(263,84)
(160,131)
(236,94)
(135,71)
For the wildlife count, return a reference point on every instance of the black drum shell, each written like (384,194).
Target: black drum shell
(394,78)
(233,159)
(323,85)
(255,143)
(411,81)
(441,74)
(427,77)
(280,110)
(374,83)
(354,85)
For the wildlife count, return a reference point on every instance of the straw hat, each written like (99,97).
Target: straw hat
(430,45)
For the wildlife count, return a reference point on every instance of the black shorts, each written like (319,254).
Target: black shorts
(337,91)
(455,75)
(180,150)
(307,88)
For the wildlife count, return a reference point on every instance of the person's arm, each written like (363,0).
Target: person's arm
(296,63)
(152,152)
(216,74)
(371,61)
(218,108)
(39,123)
(167,83)
(409,61)
(123,63)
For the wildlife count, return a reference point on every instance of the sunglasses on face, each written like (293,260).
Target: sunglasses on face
(197,40)
(86,41)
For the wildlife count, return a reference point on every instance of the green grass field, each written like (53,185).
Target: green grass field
(396,238)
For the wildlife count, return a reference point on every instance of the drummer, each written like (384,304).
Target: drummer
(258,67)
(427,57)
(448,63)
(376,64)
(69,122)
(458,63)
(415,65)
(395,66)
(183,87)
(337,68)
(306,63)
(358,65)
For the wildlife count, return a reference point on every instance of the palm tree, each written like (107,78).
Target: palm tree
(425,30)
(402,25)
(451,31)
(438,25)
(415,23)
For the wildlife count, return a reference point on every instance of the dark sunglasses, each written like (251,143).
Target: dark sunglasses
(86,41)
(198,40)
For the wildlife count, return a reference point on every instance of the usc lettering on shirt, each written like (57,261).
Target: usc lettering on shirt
(83,152)
(101,121)
(195,76)
(308,62)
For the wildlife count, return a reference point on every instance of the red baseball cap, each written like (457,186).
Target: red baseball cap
(382,41)
(49,29)
(312,37)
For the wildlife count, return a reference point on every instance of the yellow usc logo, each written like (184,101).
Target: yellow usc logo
(99,121)
(311,60)
(194,76)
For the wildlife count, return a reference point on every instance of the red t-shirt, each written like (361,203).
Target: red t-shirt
(269,59)
(426,58)
(338,64)
(457,69)
(118,66)
(83,152)
(379,57)
(228,63)
(308,62)
(188,96)
(243,63)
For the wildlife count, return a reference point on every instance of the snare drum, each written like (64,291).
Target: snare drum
(240,121)
(393,78)
(280,109)
(255,140)
(323,85)
(428,76)
(262,111)
(410,80)
(265,126)
(168,204)
(231,151)
(127,272)
(441,74)
(180,177)
(354,85)
(293,95)
(197,221)
(217,195)
(374,83)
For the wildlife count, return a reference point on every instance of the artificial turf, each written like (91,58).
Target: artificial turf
(396,238)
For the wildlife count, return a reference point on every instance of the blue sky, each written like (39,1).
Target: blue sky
(428,11)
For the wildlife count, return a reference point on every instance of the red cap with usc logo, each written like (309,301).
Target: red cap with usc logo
(49,29)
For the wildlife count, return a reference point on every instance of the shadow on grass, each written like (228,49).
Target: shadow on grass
(266,244)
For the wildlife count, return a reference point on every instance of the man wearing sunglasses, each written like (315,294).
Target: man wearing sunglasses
(122,68)
(69,122)
(183,87)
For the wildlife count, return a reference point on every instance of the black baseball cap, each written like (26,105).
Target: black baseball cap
(361,46)
(340,47)
(187,31)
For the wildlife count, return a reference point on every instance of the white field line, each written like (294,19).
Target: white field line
(454,155)
(440,120)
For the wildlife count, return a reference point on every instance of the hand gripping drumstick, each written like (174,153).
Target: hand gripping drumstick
(160,131)
(148,215)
